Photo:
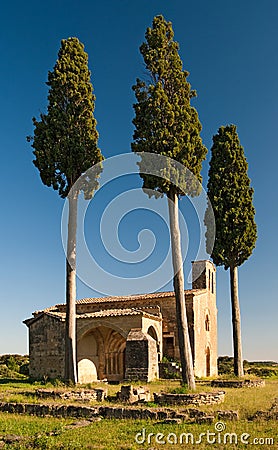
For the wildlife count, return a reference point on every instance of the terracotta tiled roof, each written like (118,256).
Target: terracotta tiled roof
(55,310)
(134,297)
(103,313)
(116,312)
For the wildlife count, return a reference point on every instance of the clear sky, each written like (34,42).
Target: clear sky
(231,52)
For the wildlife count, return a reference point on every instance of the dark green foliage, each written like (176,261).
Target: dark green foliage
(232,200)
(14,366)
(262,369)
(167,125)
(165,122)
(65,139)
(65,143)
(225,365)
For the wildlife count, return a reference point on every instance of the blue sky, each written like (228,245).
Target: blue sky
(231,52)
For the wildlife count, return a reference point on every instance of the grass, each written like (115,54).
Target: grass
(52,433)
(246,400)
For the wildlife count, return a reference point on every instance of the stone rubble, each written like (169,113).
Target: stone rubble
(132,394)
(271,414)
(238,383)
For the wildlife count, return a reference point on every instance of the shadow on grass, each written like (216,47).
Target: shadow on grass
(16,381)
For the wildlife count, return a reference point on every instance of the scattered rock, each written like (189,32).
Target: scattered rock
(271,414)
(13,439)
(172,420)
(78,424)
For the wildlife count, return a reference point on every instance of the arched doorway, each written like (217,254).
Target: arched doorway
(88,357)
(152,332)
(105,348)
(207,362)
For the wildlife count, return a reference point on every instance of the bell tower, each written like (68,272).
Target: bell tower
(204,276)
(205,318)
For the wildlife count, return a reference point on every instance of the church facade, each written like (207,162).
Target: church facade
(125,337)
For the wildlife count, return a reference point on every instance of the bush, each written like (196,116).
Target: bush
(263,372)
(225,365)
(259,369)
(13,366)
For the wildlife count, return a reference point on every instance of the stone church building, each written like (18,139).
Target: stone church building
(126,337)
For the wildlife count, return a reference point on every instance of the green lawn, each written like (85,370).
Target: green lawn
(55,433)
(119,434)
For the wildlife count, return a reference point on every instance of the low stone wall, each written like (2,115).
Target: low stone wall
(204,398)
(82,395)
(36,409)
(166,414)
(238,383)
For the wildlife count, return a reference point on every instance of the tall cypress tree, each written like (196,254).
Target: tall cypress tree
(231,198)
(167,124)
(65,147)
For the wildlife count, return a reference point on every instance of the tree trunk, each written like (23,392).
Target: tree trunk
(70,337)
(183,333)
(238,361)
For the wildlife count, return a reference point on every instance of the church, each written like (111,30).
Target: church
(120,338)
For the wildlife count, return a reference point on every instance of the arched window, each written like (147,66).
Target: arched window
(207,323)
(212,282)
(209,279)
(152,333)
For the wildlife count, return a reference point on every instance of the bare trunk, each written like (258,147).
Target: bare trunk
(238,361)
(70,337)
(183,334)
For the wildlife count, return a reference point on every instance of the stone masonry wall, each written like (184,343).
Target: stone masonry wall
(47,348)
(167,307)
(141,356)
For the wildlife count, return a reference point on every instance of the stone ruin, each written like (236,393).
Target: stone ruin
(132,394)
(202,398)
(80,395)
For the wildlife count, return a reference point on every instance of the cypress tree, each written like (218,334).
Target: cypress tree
(167,124)
(231,198)
(65,147)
